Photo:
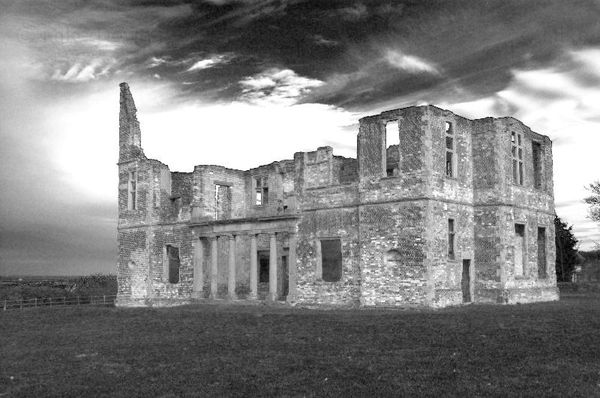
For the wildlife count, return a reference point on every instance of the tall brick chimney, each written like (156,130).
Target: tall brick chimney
(130,136)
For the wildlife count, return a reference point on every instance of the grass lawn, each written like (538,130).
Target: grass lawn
(547,349)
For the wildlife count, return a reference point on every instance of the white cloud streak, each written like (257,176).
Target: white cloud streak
(410,63)
(208,63)
(277,86)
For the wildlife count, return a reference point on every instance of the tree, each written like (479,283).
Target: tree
(566,253)
(594,200)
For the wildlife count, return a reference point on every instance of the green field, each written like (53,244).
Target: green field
(548,349)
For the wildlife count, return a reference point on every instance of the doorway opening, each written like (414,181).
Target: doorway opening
(466,281)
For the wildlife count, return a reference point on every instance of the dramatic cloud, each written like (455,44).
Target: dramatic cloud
(291,72)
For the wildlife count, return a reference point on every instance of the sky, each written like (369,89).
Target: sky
(244,83)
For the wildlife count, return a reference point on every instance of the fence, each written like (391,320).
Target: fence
(107,301)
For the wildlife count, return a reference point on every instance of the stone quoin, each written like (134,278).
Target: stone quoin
(435,210)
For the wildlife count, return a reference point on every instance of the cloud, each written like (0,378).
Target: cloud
(209,62)
(320,40)
(409,63)
(354,13)
(81,73)
(156,61)
(277,86)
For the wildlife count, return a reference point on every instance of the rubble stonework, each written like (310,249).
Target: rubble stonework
(459,211)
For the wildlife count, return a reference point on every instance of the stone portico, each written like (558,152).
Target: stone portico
(206,236)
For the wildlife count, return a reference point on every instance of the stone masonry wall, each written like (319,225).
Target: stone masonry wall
(132,267)
(445,270)
(180,237)
(205,180)
(340,224)
(500,203)
(398,277)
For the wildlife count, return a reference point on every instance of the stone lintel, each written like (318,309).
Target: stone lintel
(247,226)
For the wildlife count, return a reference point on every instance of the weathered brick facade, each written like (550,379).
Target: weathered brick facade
(458,211)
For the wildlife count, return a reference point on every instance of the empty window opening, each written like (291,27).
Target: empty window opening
(541,253)
(132,191)
(450,151)
(517,157)
(393,258)
(448,127)
(519,245)
(263,266)
(173,263)
(261,191)
(536,150)
(392,148)
(331,260)
(451,239)
(222,202)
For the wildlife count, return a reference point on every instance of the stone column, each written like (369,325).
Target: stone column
(273,267)
(214,267)
(198,268)
(231,274)
(253,269)
(292,271)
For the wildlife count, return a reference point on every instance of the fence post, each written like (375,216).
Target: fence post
(35,302)
(50,301)
(4,304)
(104,299)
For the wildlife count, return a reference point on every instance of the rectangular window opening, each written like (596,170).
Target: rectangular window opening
(451,239)
(173,264)
(448,128)
(392,148)
(331,260)
(261,191)
(536,150)
(259,197)
(541,258)
(450,151)
(132,191)
(519,249)
(517,158)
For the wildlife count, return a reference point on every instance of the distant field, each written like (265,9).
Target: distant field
(548,349)
(14,288)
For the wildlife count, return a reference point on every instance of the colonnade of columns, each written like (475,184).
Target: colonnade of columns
(234,240)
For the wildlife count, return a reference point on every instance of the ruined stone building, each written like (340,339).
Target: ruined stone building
(435,210)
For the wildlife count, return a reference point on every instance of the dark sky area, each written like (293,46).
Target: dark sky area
(329,61)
